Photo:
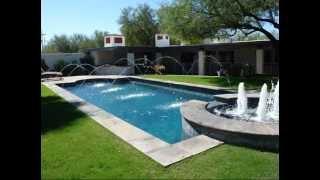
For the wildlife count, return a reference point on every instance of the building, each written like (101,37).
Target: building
(162,40)
(113,40)
(197,59)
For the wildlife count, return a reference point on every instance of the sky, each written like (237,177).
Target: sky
(85,16)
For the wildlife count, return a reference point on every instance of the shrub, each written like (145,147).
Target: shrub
(243,70)
(235,70)
(249,70)
(74,62)
(60,64)
(71,71)
(44,65)
(87,59)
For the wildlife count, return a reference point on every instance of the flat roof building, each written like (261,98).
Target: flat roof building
(258,54)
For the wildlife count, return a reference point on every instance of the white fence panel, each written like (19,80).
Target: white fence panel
(52,58)
(115,70)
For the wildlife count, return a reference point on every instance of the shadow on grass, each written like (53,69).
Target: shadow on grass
(56,113)
(261,149)
(250,82)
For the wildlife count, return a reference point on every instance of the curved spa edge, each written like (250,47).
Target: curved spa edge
(253,134)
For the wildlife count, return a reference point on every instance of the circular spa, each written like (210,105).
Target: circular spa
(245,121)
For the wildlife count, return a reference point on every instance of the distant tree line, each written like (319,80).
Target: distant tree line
(75,42)
(254,36)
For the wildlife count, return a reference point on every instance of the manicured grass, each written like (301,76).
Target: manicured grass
(251,82)
(75,146)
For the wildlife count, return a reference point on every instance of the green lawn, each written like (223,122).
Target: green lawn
(250,83)
(75,146)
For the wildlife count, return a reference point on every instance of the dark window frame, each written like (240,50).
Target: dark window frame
(107,40)
(118,40)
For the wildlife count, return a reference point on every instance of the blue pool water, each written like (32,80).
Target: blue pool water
(152,108)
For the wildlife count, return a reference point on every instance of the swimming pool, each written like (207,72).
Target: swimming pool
(151,107)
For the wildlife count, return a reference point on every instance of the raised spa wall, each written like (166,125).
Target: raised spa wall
(262,136)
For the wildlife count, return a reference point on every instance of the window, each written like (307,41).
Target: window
(159,37)
(107,40)
(166,37)
(118,40)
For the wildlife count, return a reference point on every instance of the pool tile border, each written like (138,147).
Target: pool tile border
(158,150)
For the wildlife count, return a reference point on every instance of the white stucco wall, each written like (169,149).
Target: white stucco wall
(52,58)
(163,42)
(115,70)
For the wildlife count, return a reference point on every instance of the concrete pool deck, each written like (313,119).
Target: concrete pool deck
(158,150)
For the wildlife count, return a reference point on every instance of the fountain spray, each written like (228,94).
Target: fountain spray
(272,86)
(275,108)
(262,106)
(242,101)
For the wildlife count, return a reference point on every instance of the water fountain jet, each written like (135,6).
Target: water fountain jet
(242,101)
(262,106)
(275,108)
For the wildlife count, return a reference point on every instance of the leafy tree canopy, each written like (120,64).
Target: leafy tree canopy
(139,25)
(194,20)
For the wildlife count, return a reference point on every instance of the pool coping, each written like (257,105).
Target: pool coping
(155,148)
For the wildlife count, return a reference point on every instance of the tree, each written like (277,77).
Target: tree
(75,42)
(59,44)
(138,25)
(98,38)
(254,36)
(50,47)
(193,20)
(175,20)
(79,41)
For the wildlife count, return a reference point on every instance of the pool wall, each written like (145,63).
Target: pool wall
(178,85)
